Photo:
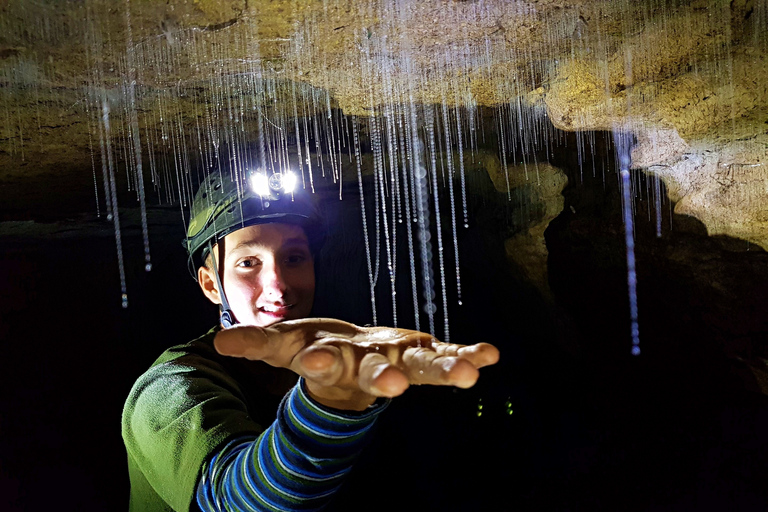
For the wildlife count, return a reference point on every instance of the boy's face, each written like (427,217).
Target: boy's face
(269,274)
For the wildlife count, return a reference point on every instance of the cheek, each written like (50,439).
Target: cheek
(304,283)
(309,281)
(307,296)
(242,290)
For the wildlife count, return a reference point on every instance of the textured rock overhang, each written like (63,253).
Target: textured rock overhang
(687,78)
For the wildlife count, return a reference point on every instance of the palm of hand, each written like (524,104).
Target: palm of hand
(348,367)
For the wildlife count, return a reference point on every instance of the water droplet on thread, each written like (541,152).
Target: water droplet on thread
(148,267)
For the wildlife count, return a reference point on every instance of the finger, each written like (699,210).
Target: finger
(425,366)
(480,354)
(321,364)
(247,342)
(378,377)
(257,344)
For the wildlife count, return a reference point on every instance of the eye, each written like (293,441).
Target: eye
(296,259)
(248,263)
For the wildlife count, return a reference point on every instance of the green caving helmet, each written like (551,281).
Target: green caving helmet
(223,205)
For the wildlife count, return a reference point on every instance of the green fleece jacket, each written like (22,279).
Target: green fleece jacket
(184,409)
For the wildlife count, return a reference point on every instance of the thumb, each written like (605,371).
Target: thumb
(243,341)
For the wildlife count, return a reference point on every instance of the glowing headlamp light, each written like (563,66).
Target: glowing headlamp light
(273,185)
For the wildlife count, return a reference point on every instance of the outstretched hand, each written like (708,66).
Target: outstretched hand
(348,367)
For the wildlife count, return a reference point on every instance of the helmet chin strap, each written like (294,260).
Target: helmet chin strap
(226,317)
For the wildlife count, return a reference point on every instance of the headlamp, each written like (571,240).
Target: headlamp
(225,203)
(274,185)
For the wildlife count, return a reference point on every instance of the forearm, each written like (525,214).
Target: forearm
(296,464)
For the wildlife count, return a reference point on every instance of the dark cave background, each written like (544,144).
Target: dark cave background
(682,427)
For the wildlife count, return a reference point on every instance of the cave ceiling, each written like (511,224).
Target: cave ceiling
(688,79)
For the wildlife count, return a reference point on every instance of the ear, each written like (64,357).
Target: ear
(207,282)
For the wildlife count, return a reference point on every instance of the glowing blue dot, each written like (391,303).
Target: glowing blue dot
(635,351)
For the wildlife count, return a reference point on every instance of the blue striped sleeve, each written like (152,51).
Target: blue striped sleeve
(294,465)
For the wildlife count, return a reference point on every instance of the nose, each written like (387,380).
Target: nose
(272,283)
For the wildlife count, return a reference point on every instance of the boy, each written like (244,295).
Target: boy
(269,410)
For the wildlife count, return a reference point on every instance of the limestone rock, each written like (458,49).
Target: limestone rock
(542,185)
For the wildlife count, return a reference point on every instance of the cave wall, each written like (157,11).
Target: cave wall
(687,78)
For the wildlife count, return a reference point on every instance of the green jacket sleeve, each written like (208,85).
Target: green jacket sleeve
(178,413)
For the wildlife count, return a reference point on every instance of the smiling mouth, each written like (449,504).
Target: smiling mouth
(276,310)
